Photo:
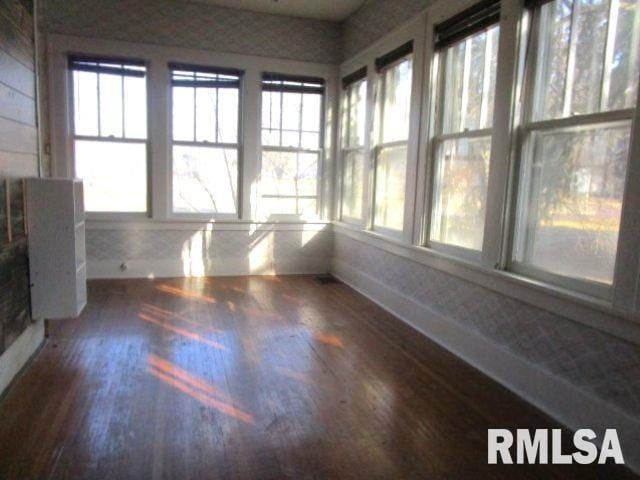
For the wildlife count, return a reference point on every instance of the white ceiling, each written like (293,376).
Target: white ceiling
(336,10)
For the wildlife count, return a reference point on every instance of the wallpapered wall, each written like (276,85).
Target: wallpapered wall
(192,25)
(592,361)
(18,149)
(375,19)
(184,251)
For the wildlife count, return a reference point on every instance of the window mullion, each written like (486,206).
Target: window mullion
(122,104)
(99,106)
(466,78)
(195,115)
(486,80)
(217,114)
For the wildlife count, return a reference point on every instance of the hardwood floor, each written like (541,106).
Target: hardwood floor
(253,378)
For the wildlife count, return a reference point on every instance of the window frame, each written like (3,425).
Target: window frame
(377,145)
(437,139)
(320,151)
(73,137)
(238,146)
(344,132)
(524,148)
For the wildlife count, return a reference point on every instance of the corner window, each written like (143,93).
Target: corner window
(391,135)
(205,136)
(110,132)
(468,55)
(352,128)
(583,79)
(291,145)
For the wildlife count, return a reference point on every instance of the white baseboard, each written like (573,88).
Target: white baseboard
(564,402)
(19,353)
(164,268)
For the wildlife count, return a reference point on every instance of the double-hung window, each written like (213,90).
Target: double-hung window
(582,87)
(354,102)
(391,136)
(110,132)
(467,54)
(291,145)
(206,105)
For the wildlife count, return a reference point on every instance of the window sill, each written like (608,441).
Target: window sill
(201,224)
(591,311)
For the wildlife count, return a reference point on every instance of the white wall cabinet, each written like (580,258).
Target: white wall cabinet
(57,259)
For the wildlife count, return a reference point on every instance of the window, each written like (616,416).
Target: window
(206,116)
(291,144)
(468,56)
(584,78)
(354,102)
(110,133)
(393,104)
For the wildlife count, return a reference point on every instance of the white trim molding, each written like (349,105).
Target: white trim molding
(550,393)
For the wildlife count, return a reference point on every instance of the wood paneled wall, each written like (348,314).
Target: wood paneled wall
(18,158)
(18,132)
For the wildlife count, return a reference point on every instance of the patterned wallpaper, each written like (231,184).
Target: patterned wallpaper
(585,357)
(375,19)
(182,24)
(292,250)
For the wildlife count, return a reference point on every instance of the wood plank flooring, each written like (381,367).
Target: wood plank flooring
(253,378)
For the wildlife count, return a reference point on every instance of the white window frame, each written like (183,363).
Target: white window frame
(620,316)
(108,139)
(320,151)
(159,112)
(414,31)
(344,133)
(236,146)
(438,138)
(378,145)
(528,127)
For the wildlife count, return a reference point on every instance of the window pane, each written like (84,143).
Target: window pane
(205,179)
(453,86)
(462,171)
(183,114)
(390,182)
(85,101)
(288,182)
(590,23)
(569,210)
(493,38)
(271,110)
(397,102)
(206,115)
(110,105)
(469,82)
(344,117)
(135,107)
(311,112)
(228,105)
(114,175)
(474,81)
(310,141)
(291,103)
(357,109)
(575,62)
(626,56)
(353,184)
(553,55)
